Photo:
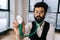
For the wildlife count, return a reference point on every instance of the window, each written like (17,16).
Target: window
(31,4)
(4,5)
(53,5)
(59,5)
(58,18)
(4,15)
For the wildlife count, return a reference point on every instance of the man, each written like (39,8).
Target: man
(45,31)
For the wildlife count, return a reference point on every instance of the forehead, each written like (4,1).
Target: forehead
(39,8)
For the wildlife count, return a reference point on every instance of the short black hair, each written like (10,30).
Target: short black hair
(41,4)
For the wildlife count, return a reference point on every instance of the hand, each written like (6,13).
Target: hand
(23,28)
(15,27)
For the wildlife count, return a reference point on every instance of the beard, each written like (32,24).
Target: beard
(39,19)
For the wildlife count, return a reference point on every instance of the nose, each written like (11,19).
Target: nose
(38,13)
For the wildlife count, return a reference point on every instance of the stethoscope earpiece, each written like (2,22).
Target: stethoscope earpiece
(19,19)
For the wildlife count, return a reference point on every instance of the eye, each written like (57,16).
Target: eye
(36,12)
(42,11)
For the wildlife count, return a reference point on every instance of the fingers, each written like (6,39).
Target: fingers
(23,24)
(15,24)
(15,27)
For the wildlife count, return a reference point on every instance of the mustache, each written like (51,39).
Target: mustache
(39,17)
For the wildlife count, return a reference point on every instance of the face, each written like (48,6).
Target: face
(39,14)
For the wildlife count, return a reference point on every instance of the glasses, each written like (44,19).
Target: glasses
(39,12)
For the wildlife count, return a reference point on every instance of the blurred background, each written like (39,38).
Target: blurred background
(9,9)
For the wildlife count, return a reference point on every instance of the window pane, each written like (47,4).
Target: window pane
(30,17)
(59,7)
(32,2)
(4,19)
(58,22)
(51,18)
(53,5)
(3,4)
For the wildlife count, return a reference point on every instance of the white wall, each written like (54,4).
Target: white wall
(12,12)
(25,10)
(15,9)
(18,7)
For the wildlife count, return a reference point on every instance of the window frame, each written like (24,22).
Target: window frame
(8,7)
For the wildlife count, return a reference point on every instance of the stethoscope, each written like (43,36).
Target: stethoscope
(19,19)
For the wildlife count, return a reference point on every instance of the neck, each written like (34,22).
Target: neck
(39,23)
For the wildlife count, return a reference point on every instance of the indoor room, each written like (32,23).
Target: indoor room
(10,9)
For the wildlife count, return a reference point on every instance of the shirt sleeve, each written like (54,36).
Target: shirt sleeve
(51,33)
(28,27)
